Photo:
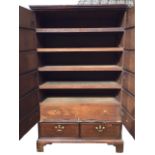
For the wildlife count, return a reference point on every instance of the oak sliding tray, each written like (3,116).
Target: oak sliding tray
(68,33)
(79,109)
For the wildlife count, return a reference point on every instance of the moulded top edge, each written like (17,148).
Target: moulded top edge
(79,7)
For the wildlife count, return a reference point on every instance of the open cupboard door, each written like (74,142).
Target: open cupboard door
(128,94)
(28,75)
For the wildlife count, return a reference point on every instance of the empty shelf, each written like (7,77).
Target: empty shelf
(80,85)
(81,68)
(81,49)
(79,30)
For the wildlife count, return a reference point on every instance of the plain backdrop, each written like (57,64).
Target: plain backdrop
(9,87)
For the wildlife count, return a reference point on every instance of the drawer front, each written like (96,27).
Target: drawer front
(101,130)
(100,112)
(85,112)
(58,130)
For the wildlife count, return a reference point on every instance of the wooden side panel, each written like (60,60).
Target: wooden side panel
(27,103)
(27,122)
(27,61)
(27,83)
(128,102)
(129,122)
(27,39)
(130,17)
(128,94)
(129,82)
(130,39)
(28,75)
(26,18)
(129,64)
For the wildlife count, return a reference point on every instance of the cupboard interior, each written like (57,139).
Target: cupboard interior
(79,18)
(53,40)
(80,58)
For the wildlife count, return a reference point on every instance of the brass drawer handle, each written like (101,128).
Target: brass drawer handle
(59,128)
(100,128)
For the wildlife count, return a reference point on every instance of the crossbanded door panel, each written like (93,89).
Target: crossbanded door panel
(28,75)
(128,93)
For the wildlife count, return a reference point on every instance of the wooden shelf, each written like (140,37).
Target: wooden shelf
(80,85)
(86,49)
(79,100)
(80,30)
(81,68)
(76,109)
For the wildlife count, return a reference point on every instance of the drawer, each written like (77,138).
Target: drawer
(101,130)
(58,129)
(80,109)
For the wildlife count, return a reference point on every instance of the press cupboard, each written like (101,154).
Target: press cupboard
(76,73)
